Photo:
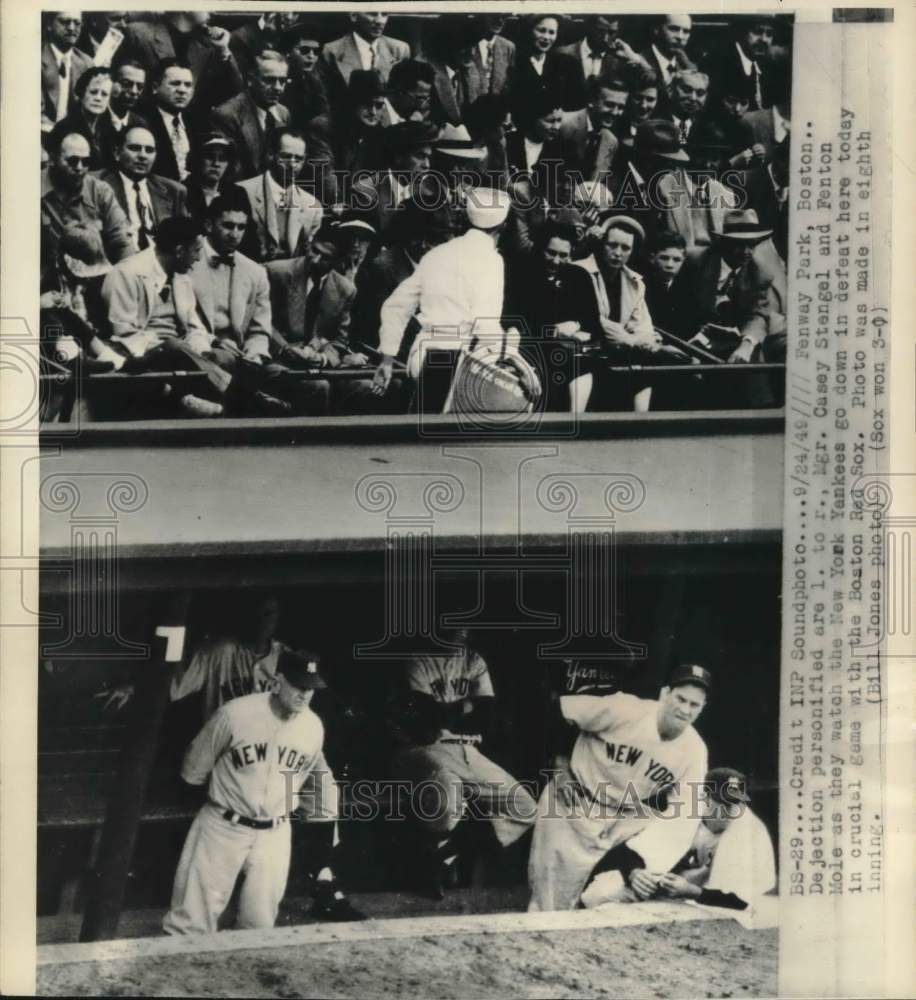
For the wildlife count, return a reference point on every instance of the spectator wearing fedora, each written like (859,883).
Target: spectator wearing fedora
(739,283)
(408,148)
(357,238)
(766,188)
(457,167)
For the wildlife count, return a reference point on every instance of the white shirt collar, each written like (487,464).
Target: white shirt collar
(58,55)
(365,49)
(748,64)
(119,121)
(451,73)
(395,118)
(279,193)
(664,61)
(262,23)
(780,126)
(538,62)
(128,183)
(484,46)
(169,117)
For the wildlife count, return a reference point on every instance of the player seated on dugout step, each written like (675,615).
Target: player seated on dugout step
(729,863)
(446,710)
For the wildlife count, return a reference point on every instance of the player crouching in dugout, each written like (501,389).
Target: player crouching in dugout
(262,754)
(729,863)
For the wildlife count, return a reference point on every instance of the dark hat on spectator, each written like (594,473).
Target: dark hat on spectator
(658,137)
(405,136)
(301,670)
(413,220)
(690,673)
(365,85)
(727,785)
(743,225)
(355,226)
(329,232)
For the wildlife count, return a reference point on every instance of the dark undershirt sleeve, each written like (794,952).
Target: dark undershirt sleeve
(715,897)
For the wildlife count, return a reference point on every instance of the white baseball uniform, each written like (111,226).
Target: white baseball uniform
(739,861)
(619,760)
(258,765)
(225,669)
(453,762)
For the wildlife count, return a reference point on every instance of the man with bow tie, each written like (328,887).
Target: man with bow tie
(284,217)
(62,64)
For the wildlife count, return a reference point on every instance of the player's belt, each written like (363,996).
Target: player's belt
(254,824)
(461,739)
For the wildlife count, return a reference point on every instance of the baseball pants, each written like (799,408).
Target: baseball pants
(456,771)
(568,842)
(215,853)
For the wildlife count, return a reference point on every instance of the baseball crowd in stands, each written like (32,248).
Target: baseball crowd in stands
(238,198)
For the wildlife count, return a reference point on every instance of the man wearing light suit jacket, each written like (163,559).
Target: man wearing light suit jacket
(284,217)
(249,118)
(493,58)
(589,132)
(366,47)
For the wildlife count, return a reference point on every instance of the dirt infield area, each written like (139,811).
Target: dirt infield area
(694,959)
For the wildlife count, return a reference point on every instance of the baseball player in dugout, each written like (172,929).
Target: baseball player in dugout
(260,755)
(632,766)
(450,699)
(730,861)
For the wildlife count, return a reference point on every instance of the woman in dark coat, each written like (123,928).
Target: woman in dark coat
(539,65)
(89,115)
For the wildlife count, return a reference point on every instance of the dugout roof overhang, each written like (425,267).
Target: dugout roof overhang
(304,498)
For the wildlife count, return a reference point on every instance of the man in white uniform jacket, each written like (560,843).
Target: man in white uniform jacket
(258,752)
(455,292)
(628,754)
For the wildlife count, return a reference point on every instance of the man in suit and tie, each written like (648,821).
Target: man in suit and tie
(189,38)
(668,51)
(602,52)
(733,284)
(145,198)
(493,56)
(365,47)
(749,54)
(284,217)
(409,147)
(310,310)
(249,118)
(62,64)
(154,318)
(589,132)
(767,127)
(102,36)
(687,97)
(128,82)
(174,125)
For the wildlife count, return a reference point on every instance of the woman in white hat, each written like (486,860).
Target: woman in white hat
(456,294)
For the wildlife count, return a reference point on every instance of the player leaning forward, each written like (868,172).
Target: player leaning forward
(262,754)
(628,751)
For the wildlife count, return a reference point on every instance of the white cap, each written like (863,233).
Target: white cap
(487,207)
